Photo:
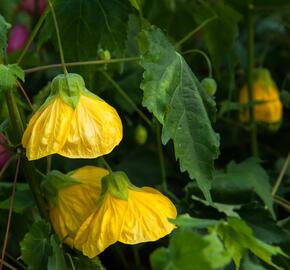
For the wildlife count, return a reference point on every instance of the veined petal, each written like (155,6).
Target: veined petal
(147,216)
(102,228)
(95,130)
(76,203)
(143,218)
(47,130)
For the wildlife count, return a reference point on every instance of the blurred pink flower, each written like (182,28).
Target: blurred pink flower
(4,151)
(28,6)
(18,36)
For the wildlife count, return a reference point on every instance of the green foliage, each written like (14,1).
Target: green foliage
(205,252)
(226,18)
(173,94)
(4,26)
(246,176)
(86,24)
(35,246)
(56,261)
(186,221)
(9,75)
(238,239)
(84,263)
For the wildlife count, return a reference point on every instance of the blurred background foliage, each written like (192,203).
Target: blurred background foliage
(244,212)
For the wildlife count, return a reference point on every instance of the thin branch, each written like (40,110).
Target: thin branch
(25,95)
(6,165)
(281,201)
(10,214)
(82,63)
(281,174)
(9,266)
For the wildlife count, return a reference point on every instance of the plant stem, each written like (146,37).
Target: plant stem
(205,57)
(281,174)
(108,167)
(82,63)
(9,214)
(28,167)
(125,96)
(58,37)
(161,158)
(250,69)
(190,34)
(25,95)
(32,36)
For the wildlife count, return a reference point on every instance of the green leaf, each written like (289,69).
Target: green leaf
(228,209)
(219,43)
(136,4)
(56,261)
(4,26)
(187,247)
(23,200)
(84,263)
(35,246)
(85,25)
(246,176)
(227,106)
(9,75)
(248,265)
(239,239)
(186,221)
(173,94)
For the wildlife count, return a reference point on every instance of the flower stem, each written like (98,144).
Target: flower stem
(28,167)
(190,34)
(106,164)
(125,96)
(250,68)
(32,36)
(82,63)
(58,37)
(161,158)
(205,57)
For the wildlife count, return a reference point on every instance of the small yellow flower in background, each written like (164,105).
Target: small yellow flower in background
(72,198)
(125,214)
(72,122)
(265,91)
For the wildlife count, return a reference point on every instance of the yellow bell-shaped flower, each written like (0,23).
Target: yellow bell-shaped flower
(72,198)
(72,122)
(126,214)
(268,108)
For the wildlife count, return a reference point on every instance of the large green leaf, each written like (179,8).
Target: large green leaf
(35,246)
(4,26)
(187,247)
(85,25)
(174,95)
(186,221)
(246,176)
(239,239)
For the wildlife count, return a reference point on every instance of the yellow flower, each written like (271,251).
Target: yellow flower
(266,92)
(72,198)
(72,122)
(126,214)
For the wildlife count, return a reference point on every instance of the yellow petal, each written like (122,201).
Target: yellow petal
(102,228)
(47,130)
(95,130)
(77,202)
(143,218)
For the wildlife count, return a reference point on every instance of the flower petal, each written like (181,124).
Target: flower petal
(47,130)
(95,129)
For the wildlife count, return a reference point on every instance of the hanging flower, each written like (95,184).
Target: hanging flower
(126,214)
(72,122)
(265,92)
(72,198)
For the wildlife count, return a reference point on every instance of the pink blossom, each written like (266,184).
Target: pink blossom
(4,151)
(28,6)
(17,37)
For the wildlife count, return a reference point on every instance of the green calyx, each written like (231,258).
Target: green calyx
(68,87)
(263,76)
(117,184)
(53,182)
